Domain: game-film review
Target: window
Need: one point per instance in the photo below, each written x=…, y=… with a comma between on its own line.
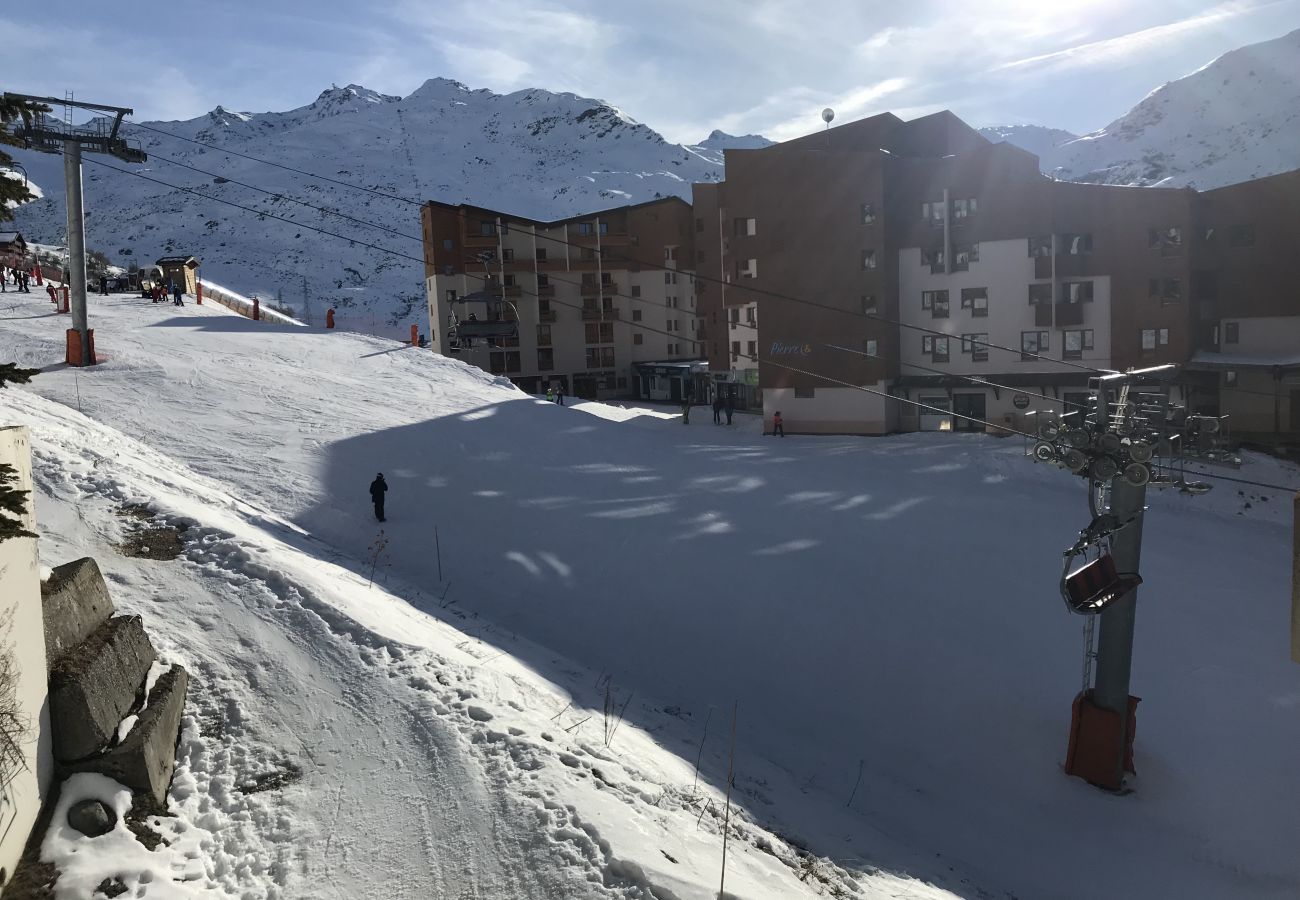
x=584, y=229
x=1076, y=244
x=587, y=253
x=869, y=306
x=1169, y=241
x=1040, y=293
x=805, y=393
x=935, y=346
x=750, y=270
x=751, y=348
x=1153, y=337
x=976, y=300
x=1231, y=332
x=672, y=325
x=751, y=315
x=543, y=281
x=487, y=229
x=670, y=254
x=868, y=213
x=636, y=315
x=1033, y=343
x=1076, y=342
x=1076, y=292
x=699, y=224
x=733, y=315
x=868, y=259
x=600, y=357
x=636, y=290
x=963, y=255
x=976, y=345
x=672, y=349
x=670, y=278
x=606, y=279
x=446, y=243
x=509, y=281
x=745, y=227
x=936, y=302
x=932, y=258
x=451, y=296
x=1040, y=246
x=507, y=255
x=637, y=338
x=1241, y=236
x=505, y=227
x=545, y=359
x=735, y=350
x=541, y=254
x=1230, y=378
x=543, y=335
x=604, y=228
x=699, y=256
x=962, y=209
x=500, y=363
x=1167, y=290
x=671, y=302
x=932, y=212
x=870, y=347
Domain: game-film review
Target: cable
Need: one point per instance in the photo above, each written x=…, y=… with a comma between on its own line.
x=279, y=196
x=708, y=279
x=1260, y=484
x=217, y=147
x=674, y=335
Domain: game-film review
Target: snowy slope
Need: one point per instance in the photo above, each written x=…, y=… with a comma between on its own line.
x=1235, y=119
x=712, y=147
x=533, y=152
x=887, y=606
x=1037, y=139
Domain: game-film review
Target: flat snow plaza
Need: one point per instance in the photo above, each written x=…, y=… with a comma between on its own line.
x=514, y=706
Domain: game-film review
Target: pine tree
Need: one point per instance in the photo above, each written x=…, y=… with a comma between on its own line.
x=13, y=502
x=11, y=189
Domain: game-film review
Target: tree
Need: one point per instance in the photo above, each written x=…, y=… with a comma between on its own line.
x=13, y=191
x=13, y=502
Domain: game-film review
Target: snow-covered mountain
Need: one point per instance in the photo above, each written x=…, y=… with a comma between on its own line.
x=1235, y=119
x=1037, y=139
x=533, y=152
x=712, y=147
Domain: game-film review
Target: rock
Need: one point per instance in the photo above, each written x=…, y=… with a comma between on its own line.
x=91, y=817
x=145, y=760
x=95, y=684
x=76, y=602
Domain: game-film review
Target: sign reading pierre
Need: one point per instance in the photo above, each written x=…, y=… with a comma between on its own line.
x=782, y=348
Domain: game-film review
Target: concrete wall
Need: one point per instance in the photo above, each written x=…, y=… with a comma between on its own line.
x=831, y=410
x=1263, y=336
x=22, y=634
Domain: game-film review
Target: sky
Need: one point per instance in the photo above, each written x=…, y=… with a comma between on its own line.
x=683, y=67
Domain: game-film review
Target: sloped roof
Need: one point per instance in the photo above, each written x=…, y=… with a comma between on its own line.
x=177, y=261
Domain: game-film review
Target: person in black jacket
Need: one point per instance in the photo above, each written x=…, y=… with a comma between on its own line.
x=377, y=489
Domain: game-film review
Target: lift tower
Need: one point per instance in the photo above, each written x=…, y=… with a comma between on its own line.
x=53, y=135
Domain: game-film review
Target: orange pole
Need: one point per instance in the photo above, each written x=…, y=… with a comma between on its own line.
x=415, y=335
x=67, y=292
x=257, y=308
x=329, y=318
x=198, y=292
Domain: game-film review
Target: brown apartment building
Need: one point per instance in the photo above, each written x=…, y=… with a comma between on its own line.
x=887, y=258
x=601, y=305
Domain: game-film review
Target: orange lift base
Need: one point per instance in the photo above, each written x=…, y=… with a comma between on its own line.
x=1101, y=743
x=74, y=346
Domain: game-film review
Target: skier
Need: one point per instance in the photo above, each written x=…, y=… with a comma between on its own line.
x=377, y=489
x=729, y=407
x=176, y=293
x=27, y=284
x=777, y=424
x=717, y=410
x=103, y=285
x=49, y=289
x=686, y=410
x=550, y=395
x=559, y=394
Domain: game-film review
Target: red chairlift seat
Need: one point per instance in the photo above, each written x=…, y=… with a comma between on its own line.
x=1093, y=587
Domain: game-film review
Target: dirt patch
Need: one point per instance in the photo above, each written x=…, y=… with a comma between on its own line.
x=143, y=808
x=163, y=542
x=110, y=887
x=33, y=880
x=286, y=773
x=137, y=511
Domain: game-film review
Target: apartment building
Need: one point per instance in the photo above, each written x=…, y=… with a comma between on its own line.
x=897, y=259
x=587, y=303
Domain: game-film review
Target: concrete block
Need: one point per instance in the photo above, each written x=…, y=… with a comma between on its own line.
x=95, y=684
x=76, y=602
x=146, y=759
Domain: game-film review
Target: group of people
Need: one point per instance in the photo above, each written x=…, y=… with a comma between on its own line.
x=158, y=293
x=722, y=405
x=555, y=394
x=21, y=278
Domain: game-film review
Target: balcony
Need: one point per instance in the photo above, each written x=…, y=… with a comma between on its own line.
x=546, y=290
x=1043, y=315
x=599, y=288
x=480, y=240
x=1043, y=266
x=590, y=313
x=546, y=315
x=1068, y=314
x=1068, y=265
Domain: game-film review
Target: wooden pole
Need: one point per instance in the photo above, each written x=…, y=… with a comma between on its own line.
x=1295, y=581
x=726, y=821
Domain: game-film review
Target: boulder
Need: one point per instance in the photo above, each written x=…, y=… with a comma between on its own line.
x=76, y=602
x=146, y=759
x=91, y=817
x=94, y=684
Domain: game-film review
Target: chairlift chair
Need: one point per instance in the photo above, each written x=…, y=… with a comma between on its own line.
x=501, y=322
x=1094, y=586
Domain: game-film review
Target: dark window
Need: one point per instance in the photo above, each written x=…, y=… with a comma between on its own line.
x=1241, y=236
x=636, y=315
x=1231, y=332
x=604, y=228
x=600, y=357
x=1040, y=293
x=543, y=281
x=446, y=243
x=933, y=258
x=1076, y=342
x=1166, y=290
x=508, y=281
x=541, y=254
x=868, y=213
x=543, y=335
x=976, y=345
x=805, y=393
x=936, y=346
x=1040, y=246
x=487, y=229
x=451, y=296
x=1169, y=241
x=1033, y=343
x=976, y=300
x=507, y=255
x=637, y=338
x=545, y=359
x=584, y=229
x=936, y=302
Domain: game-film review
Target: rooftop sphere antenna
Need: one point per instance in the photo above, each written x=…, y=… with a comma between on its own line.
x=827, y=115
